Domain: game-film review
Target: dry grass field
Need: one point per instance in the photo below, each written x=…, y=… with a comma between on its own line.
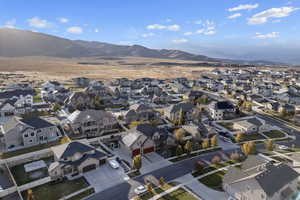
x=49, y=68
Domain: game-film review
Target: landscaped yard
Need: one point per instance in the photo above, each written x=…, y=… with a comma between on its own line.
x=179, y=194
x=194, y=154
x=83, y=194
x=275, y=134
x=21, y=177
x=227, y=125
x=214, y=181
x=51, y=191
x=253, y=136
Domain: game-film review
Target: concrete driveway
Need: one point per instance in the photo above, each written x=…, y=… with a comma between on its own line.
x=105, y=177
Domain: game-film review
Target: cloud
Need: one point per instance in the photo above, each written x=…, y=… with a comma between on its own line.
x=179, y=41
x=75, y=30
x=96, y=30
x=236, y=15
x=148, y=35
x=244, y=7
x=38, y=22
x=264, y=16
x=10, y=23
x=208, y=28
x=168, y=20
x=63, y=20
x=174, y=27
x=266, y=36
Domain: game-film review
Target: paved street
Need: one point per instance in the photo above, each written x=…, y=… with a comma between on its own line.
x=124, y=191
x=105, y=177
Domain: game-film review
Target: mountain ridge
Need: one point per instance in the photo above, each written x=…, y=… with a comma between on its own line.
x=17, y=43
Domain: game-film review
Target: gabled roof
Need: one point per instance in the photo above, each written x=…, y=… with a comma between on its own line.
x=11, y=93
x=36, y=122
x=222, y=105
x=185, y=107
x=79, y=116
x=146, y=129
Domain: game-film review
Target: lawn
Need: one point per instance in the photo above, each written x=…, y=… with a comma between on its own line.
x=21, y=177
x=186, y=156
x=83, y=194
x=29, y=149
x=227, y=125
x=275, y=134
x=51, y=191
x=253, y=136
x=214, y=181
x=179, y=194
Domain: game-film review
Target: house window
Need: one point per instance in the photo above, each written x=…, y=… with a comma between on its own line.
x=32, y=134
x=26, y=135
x=30, y=141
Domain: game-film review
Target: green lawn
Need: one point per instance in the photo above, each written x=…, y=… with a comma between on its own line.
x=83, y=194
x=194, y=154
x=21, y=177
x=214, y=181
x=179, y=194
x=253, y=136
x=28, y=150
x=51, y=191
x=275, y=134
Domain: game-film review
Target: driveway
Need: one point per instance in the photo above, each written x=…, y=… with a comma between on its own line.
x=153, y=161
x=105, y=177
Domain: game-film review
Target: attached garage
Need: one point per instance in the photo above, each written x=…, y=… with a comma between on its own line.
x=101, y=162
x=89, y=168
x=136, y=152
x=148, y=150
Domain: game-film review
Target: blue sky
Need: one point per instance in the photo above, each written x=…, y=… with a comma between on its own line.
x=221, y=28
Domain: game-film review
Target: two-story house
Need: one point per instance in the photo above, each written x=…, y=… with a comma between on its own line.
x=75, y=158
x=17, y=133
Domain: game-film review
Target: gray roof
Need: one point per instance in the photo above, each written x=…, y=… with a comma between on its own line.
x=36, y=122
x=79, y=116
x=276, y=177
x=185, y=107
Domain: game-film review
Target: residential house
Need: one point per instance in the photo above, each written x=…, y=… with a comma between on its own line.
x=17, y=133
x=75, y=158
x=260, y=180
x=222, y=110
x=173, y=112
x=252, y=125
x=141, y=112
x=91, y=123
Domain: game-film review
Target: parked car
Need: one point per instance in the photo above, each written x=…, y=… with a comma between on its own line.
x=140, y=189
x=283, y=147
x=114, y=164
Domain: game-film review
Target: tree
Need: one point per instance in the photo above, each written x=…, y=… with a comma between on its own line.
x=150, y=188
x=179, y=150
x=234, y=156
x=214, y=141
x=179, y=134
x=64, y=140
x=188, y=147
x=137, y=162
x=199, y=165
x=162, y=181
x=249, y=148
x=135, y=124
x=181, y=120
x=216, y=160
x=239, y=137
x=205, y=144
x=56, y=107
x=269, y=144
x=30, y=195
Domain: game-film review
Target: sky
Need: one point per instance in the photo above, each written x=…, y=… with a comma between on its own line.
x=240, y=29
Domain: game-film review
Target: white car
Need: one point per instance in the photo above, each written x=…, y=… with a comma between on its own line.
x=140, y=190
x=283, y=147
x=114, y=164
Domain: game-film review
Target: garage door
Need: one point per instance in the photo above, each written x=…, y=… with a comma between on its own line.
x=101, y=162
x=136, y=152
x=148, y=150
x=89, y=168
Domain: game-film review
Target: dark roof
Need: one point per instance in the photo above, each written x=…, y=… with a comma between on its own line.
x=147, y=129
x=11, y=93
x=36, y=122
x=75, y=147
x=182, y=106
x=276, y=177
x=224, y=105
x=96, y=155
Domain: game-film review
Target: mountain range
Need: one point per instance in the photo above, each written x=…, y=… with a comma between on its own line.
x=17, y=43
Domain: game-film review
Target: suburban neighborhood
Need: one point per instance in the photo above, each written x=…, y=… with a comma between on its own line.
x=231, y=134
